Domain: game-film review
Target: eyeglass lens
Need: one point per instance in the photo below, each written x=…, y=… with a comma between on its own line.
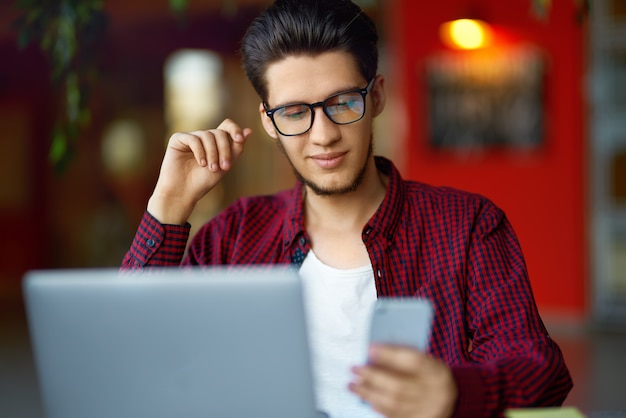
x=342, y=108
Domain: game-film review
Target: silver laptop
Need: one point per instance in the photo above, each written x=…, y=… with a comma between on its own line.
x=218, y=342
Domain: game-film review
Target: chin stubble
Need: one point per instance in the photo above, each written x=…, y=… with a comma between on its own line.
x=336, y=191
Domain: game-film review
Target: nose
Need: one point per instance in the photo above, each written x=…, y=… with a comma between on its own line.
x=324, y=131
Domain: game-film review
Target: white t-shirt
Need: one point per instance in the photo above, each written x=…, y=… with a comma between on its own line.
x=338, y=306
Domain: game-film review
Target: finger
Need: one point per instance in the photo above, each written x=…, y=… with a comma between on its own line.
x=238, y=146
x=379, y=402
x=224, y=148
x=207, y=141
x=228, y=148
x=384, y=399
x=379, y=380
x=184, y=141
x=398, y=358
x=237, y=133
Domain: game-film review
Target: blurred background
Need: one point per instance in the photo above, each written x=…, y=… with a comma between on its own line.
x=527, y=110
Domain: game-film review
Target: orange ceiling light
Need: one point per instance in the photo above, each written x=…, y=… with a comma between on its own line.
x=466, y=34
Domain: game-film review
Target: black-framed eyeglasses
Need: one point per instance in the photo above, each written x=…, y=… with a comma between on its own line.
x=341, y=108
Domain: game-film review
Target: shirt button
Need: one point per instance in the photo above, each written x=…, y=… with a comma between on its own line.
x=150, y=243
x=302, y=240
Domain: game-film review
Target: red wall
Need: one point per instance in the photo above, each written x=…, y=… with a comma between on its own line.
x=543, y=191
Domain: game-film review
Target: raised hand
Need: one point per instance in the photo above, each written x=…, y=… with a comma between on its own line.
x=193, y=164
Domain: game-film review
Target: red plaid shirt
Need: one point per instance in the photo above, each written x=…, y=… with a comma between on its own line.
x=455, y=248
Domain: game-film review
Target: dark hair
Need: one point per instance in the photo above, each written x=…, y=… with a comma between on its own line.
x=308, y=27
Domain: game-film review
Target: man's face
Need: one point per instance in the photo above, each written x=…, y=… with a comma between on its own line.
x=331, y=159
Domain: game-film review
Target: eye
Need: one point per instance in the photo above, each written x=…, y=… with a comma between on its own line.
x=344, y=103
x=293, y=113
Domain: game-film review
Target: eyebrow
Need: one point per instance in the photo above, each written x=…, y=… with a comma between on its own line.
x=293, y=103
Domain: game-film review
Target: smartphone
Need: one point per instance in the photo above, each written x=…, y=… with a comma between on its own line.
x=402, y=321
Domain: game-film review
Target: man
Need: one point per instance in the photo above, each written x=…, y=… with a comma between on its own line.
x=358, y=231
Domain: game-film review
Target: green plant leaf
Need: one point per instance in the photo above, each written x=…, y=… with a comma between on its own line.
x=178, y=6
x=58, y=147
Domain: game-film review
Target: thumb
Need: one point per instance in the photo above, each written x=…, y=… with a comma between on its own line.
x=240, y=138
x=239, y=142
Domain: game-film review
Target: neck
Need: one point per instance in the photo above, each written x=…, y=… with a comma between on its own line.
x=346, y=211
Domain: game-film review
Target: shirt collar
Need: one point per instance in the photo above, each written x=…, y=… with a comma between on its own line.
x=385, y=220
x=294, y=221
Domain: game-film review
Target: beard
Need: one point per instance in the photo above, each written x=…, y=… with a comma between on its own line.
x=332, y=191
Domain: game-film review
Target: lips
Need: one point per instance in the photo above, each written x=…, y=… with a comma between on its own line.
x=329, y=161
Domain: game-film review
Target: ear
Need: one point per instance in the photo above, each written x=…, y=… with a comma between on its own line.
x=378, y=95
x=267, y=122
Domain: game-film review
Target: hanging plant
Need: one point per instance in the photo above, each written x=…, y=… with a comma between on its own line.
x=178, y=6
x=67, y=31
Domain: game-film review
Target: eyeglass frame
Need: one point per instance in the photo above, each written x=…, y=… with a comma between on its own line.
x=312, y=106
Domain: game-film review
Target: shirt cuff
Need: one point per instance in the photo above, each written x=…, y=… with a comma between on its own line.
x=471, y=392
x=158, y=244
